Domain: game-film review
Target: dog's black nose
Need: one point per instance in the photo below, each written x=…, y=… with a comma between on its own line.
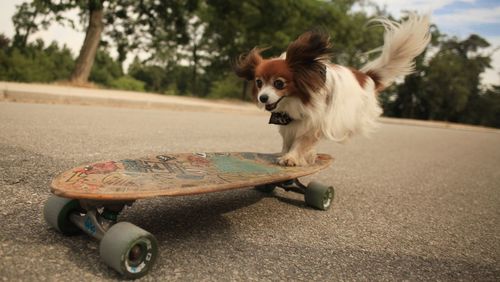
x=263, y=98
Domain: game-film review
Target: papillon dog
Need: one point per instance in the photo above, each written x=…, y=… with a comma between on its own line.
x=311, y=98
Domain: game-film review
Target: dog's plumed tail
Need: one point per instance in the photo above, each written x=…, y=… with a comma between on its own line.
x=402, y=43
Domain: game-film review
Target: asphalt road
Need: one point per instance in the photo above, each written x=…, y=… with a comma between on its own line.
x=412, y=203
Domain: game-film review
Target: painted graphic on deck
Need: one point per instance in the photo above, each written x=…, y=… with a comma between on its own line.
x=169, y=171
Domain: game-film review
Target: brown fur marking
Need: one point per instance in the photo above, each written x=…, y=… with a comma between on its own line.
x=269, y=69
x=376, y=78
x=360, y=77
x=306, y=57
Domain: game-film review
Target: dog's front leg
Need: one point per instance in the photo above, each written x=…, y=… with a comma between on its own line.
x=288, y=138
x=302, y=152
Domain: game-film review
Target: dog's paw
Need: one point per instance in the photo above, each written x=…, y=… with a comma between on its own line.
x=294, y=160
x=289, y=160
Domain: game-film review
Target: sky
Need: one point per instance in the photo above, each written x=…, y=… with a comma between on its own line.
x=454, y=17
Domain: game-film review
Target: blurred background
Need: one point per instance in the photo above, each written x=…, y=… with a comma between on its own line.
x=185, y=47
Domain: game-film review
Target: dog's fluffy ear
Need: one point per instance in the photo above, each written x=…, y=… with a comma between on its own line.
x=245, y=65
x=306, y=57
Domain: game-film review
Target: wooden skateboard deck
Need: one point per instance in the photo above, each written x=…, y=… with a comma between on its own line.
x=176, y=175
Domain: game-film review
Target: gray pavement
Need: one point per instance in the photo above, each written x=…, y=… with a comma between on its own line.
x=412, y=202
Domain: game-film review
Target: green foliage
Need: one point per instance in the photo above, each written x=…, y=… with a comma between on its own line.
x=127, y=82
x=35, y=63
x=4, y=41
x=105, y=69
x=170, y=79
x=180, y=77
x=153, y=77
x=448, y=88
x=484, y=109
x=227, y=87
x=147, y=25
x=487, y=110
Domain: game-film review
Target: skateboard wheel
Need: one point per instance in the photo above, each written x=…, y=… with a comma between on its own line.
x=128, y=249
x=319, y=196
x=57, y=211
x=267, y=188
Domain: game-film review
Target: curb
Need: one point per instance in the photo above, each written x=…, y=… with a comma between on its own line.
x=16, y=92
x=438, y=124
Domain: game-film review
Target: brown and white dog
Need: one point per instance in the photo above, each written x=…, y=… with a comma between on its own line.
x=312, y=98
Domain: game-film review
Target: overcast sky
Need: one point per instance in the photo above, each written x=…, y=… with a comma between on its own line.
x=453, y=17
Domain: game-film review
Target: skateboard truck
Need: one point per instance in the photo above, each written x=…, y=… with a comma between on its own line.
x=316, y=195
x=98, y=218
x=293, y=185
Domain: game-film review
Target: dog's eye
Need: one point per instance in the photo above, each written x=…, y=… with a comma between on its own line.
x=258, y=82
x=279, y=84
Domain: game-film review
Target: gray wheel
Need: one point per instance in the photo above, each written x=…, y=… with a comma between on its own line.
x=319, y=196
x=56, y=212
x=128, y=249
x=266, y=188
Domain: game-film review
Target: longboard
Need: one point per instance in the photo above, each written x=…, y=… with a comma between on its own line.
x=90, y=197
x=176, y=175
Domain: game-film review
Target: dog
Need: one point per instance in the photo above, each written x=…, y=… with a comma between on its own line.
x=312, y=99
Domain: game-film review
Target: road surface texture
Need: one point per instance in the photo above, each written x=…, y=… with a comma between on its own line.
x=412, y=202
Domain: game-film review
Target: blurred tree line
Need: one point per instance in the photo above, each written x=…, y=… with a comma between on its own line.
x=190, y=45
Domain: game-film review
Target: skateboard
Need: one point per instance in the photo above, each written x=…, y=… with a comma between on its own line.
x=90, y=197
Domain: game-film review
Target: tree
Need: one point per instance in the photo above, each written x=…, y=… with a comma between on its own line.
x=35, y=15
x=39, y=14
x=453, y=77
x=484, y=109
x=88, y=51
x=489, y=108
x=153, y=76
x=105, y=69
x=4, y=41
x=152, y=24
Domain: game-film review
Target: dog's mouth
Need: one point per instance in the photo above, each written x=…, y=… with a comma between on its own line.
x=271, y=107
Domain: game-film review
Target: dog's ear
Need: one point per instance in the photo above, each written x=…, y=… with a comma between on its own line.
x=306, y=57
x=245, y=65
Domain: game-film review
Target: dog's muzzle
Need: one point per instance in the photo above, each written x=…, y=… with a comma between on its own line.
x=271, y=107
